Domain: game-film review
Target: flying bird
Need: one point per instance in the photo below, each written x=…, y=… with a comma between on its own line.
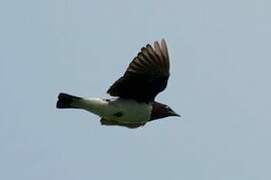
x=133, y=95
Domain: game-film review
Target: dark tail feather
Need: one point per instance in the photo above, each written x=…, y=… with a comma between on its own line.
x=66, y=100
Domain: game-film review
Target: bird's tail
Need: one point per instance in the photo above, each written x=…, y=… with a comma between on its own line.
x=67, y=101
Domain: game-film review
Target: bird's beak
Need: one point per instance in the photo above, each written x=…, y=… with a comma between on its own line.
x=175, y=114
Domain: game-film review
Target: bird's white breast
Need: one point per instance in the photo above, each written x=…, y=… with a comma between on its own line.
x=121, y=110
x=130, y=111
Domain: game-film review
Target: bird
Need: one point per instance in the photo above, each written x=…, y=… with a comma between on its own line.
x=132, y=97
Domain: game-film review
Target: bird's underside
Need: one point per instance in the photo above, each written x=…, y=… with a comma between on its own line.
x=116, y=123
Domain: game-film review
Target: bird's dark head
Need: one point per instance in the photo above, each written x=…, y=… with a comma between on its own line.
x=160, y=110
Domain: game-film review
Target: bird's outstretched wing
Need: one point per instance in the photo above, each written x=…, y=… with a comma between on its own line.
x=146, y=75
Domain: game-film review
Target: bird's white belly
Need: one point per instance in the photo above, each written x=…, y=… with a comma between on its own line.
x=128, y=111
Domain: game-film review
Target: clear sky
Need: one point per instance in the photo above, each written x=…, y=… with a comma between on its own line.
x=220, y=83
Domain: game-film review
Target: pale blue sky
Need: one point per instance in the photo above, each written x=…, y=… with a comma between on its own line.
x=220, y=56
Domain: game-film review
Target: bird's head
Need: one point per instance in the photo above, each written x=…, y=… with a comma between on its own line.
x=160, y=110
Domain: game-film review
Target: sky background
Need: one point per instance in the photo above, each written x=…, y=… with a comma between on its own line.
x=220, y=84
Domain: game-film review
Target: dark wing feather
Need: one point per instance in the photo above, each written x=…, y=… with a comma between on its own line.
x=146, y=75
